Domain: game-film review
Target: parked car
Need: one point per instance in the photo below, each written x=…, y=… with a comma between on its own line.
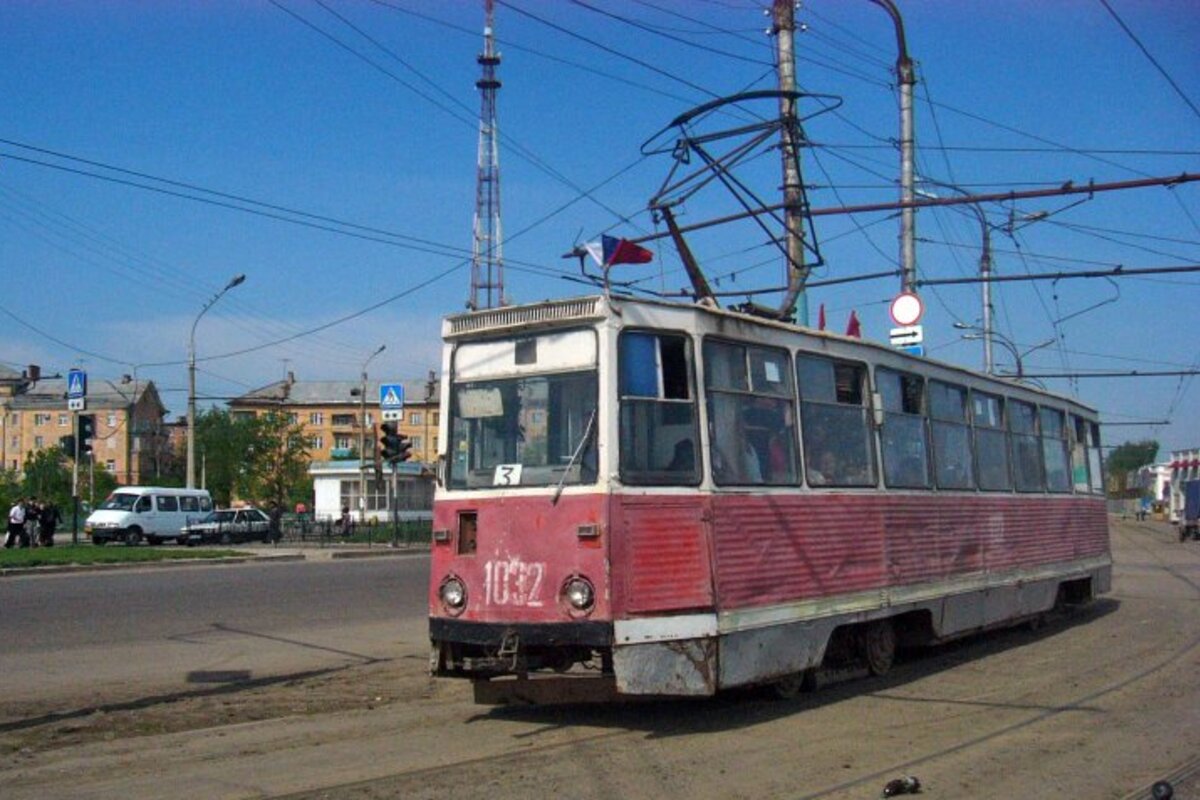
x=227, y=526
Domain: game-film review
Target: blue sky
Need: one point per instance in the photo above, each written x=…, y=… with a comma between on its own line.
x=364, y=112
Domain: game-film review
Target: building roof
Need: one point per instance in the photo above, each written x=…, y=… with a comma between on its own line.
x=51, y=393
x=327, y=393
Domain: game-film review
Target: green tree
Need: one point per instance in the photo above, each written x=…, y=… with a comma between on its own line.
x=223, y=446
x=276, y=466
x=10, y=490
x=1128, y=458
x=48, y=476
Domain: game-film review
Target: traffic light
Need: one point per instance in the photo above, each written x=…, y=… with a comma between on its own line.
x=403, y=448
x=394, y=444
x=86, y=430
x=389, y=442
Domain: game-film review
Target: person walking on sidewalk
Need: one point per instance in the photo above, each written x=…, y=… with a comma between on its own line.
x=16, y=526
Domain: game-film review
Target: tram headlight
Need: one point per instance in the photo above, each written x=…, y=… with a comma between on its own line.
x=579, y=593
x=453, y=595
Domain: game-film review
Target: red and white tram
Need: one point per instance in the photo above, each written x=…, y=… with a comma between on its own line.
x=687, y=499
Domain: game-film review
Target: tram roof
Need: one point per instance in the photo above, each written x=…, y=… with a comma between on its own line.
x=594, y=308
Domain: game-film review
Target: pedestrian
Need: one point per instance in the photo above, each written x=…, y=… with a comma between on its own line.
x=16, y=526
x=49, y=519
x=33, y=516
x=346, y=523
x=274, y=524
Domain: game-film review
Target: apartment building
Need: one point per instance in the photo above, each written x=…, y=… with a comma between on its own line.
x=130, y=438
x=336, y=416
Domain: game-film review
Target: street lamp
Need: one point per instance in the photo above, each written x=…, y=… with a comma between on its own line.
x=236, y=280
x=1008, y=345
x=362, y=438
x=985, y=270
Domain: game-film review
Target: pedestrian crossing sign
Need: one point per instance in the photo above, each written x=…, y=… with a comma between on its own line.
x=76, y=384
x=391, y=396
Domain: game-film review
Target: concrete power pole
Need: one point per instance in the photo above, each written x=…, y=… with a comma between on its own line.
x=783, y=25
x=487, y=245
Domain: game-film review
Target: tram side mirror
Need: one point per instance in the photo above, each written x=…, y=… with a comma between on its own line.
x=877, y=408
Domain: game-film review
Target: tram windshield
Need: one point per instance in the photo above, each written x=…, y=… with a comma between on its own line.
x=524, y=431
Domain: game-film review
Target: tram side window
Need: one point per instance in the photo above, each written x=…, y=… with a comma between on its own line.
x=952, y=461
x=659, y=432
x=1095, y=465
x=1027, y=454
x=752, y=426
x=835, y=422
x=1054, y=450
x=1079, y=455
x=905, y=451
x=991, y=442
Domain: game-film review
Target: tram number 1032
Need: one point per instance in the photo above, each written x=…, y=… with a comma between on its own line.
x=513, y=582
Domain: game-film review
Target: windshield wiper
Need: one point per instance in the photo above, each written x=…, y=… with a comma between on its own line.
x=587, y=432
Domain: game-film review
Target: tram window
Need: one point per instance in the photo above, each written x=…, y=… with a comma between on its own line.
x=952, y=461
x=658, y=410
x=1054, y=450
x=835, y=422
x=1027, y=454
x=752, y=425
x=1095, y=465
x=905, y=452
x=991, y=442
x=1079, y=455
x=524, y=431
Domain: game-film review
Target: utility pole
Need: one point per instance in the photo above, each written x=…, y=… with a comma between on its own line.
x=487, y=244
x=783, y=26
x=906, y=77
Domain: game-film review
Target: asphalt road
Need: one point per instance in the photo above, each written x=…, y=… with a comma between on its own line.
x=131, y=633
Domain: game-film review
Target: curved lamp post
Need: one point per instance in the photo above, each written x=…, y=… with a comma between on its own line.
x=1007, y=343
x=191, y=416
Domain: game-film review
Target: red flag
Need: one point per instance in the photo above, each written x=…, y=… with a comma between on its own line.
x=853, y=327
x=821, y=318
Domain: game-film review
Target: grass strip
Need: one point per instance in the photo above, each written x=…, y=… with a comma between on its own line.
x=91, y=554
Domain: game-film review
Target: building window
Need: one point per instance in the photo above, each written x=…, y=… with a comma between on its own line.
x=38, y=443
x=293, y=418
x=342, y=442
x=41, y=419
x=110, y=465
x=112, y=419
x=416, y=443
x=414, y=418
x=369, y=419
x=316, y=418
x=343, y=420
x=64, y=420
x=318, y=442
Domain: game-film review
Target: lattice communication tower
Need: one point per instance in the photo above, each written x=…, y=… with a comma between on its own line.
x=487, y=249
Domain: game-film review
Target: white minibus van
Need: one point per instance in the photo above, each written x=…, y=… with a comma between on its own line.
x=154, y=514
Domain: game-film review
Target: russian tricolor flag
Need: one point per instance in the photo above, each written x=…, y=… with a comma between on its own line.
x=611, y=250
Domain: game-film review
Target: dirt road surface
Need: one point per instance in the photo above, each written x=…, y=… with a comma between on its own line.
x=1099, y=705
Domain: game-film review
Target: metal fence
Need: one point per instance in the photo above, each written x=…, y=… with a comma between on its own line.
x=307, y=530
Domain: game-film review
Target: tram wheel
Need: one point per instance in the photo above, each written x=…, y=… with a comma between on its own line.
x=792, y=686
x=879, y=646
